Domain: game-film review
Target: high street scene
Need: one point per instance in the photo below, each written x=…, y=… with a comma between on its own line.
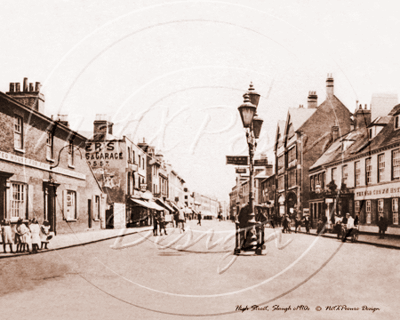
x=199, y=159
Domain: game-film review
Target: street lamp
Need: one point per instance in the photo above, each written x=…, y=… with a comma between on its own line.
x=252, y=123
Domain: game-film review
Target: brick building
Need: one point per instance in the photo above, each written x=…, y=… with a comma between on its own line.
x=43, y=171
x=303, y=138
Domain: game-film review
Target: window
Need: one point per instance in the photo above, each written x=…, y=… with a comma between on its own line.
x=334, y=176
x=322, y=180
x=368, y=171
x=380, y=205
x=18, y=200
x=281, y=162
x=70, y=154
x=357, y=173
x=312, y=186
x=345, y=174
x=357, y=207
x=396, y=122
x=395, y=210
x=140, y=158
x=133, y=157
x=49, y=146
x=368, y=210
x=292, y=155
x=96, y=211
x=292, y=178
x=70, y=204
x=396, y=164
x=129, y=155
x=18, y=133
x=381, y=167
x=281, y=182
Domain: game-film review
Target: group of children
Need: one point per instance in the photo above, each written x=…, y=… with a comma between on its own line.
x=28, y=238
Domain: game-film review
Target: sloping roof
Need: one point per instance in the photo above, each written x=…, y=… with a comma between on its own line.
x=380, y=121
x=332, y=103
x=387, y=135
x=353, y=142
x=298, y=116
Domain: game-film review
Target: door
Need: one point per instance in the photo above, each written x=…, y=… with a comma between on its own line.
x=110, y=218
x=50, y=201
x=90, y=214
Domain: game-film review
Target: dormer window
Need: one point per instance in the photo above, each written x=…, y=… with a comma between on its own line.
x=370, y=133
x=396, y=122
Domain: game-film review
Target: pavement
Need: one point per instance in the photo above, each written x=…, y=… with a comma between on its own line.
x=64, y=241
x=390, y=241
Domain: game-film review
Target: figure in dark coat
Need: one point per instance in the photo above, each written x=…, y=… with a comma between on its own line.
x=382, y=224
x=243, y=218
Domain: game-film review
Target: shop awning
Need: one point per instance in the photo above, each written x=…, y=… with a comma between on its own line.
x=148, y=204
x=165, y=205
x=175, y=206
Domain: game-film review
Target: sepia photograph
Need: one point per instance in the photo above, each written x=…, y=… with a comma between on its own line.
x=199, y=159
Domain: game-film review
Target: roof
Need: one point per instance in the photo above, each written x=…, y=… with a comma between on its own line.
x=380, y=121
x=353, y=142
x=387, y=135
x=298, y=116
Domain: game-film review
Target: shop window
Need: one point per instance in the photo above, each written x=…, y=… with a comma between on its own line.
x=49, y=146
x=395, y=210
x=380, y=205
x=381, y=167
x=18, y=133
x=357, y=207
x=70, y=153
x=396, y=164
x=357, y=173
x=368, y=171
x=368, y=211
x=19, y=200
x=70, y=205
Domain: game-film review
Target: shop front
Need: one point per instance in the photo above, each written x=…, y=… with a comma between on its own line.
x=371, y=202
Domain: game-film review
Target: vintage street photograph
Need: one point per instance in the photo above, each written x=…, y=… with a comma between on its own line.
x=199, y=159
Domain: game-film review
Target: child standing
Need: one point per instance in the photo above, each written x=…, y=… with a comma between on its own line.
x=6, y=234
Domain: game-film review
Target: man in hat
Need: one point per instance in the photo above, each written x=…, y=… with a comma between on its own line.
x=350, y=226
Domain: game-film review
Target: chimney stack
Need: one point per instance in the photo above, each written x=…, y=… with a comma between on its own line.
x=63, y=119
x=329, y=86
x=28, y=96
x=362, y=117
x=312, y=100
x=102, y=127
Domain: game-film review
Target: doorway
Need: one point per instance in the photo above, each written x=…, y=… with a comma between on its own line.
x=50, y=204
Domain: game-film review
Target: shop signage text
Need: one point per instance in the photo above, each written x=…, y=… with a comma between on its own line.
x=387, y=191
x=237, y=160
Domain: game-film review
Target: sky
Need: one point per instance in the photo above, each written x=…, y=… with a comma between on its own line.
x=174, y=72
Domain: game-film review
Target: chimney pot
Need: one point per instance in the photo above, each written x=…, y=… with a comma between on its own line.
x=17, y=87
x=12, y=86
x=329, y=86
x=31, y=87
x=25, y=86
x=37, y=86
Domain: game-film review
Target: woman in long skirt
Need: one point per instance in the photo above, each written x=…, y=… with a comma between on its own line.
x=24, y=235
x=35, y=235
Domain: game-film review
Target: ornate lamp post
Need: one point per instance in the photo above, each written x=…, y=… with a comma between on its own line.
x=252, y=123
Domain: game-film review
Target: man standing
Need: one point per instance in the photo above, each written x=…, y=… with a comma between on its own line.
x=350, y=226
x=382, y=224
x=307, y=223
x=199, y=218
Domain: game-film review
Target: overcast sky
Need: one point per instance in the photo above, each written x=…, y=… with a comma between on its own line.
x=174, y=72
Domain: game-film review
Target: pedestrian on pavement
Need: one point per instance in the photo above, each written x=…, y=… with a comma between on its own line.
x=181, y=219
x=35, y=235
x=6, y=235
x=307, y=223
x=297, y=224
x=286, y=224
x=382, y=224
x=162, y=224
x=24, y=236
x=155, y=225
x=243, y=219
x=349, y=225
x=199, y=218
x=45, y=234
x=176, y=219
